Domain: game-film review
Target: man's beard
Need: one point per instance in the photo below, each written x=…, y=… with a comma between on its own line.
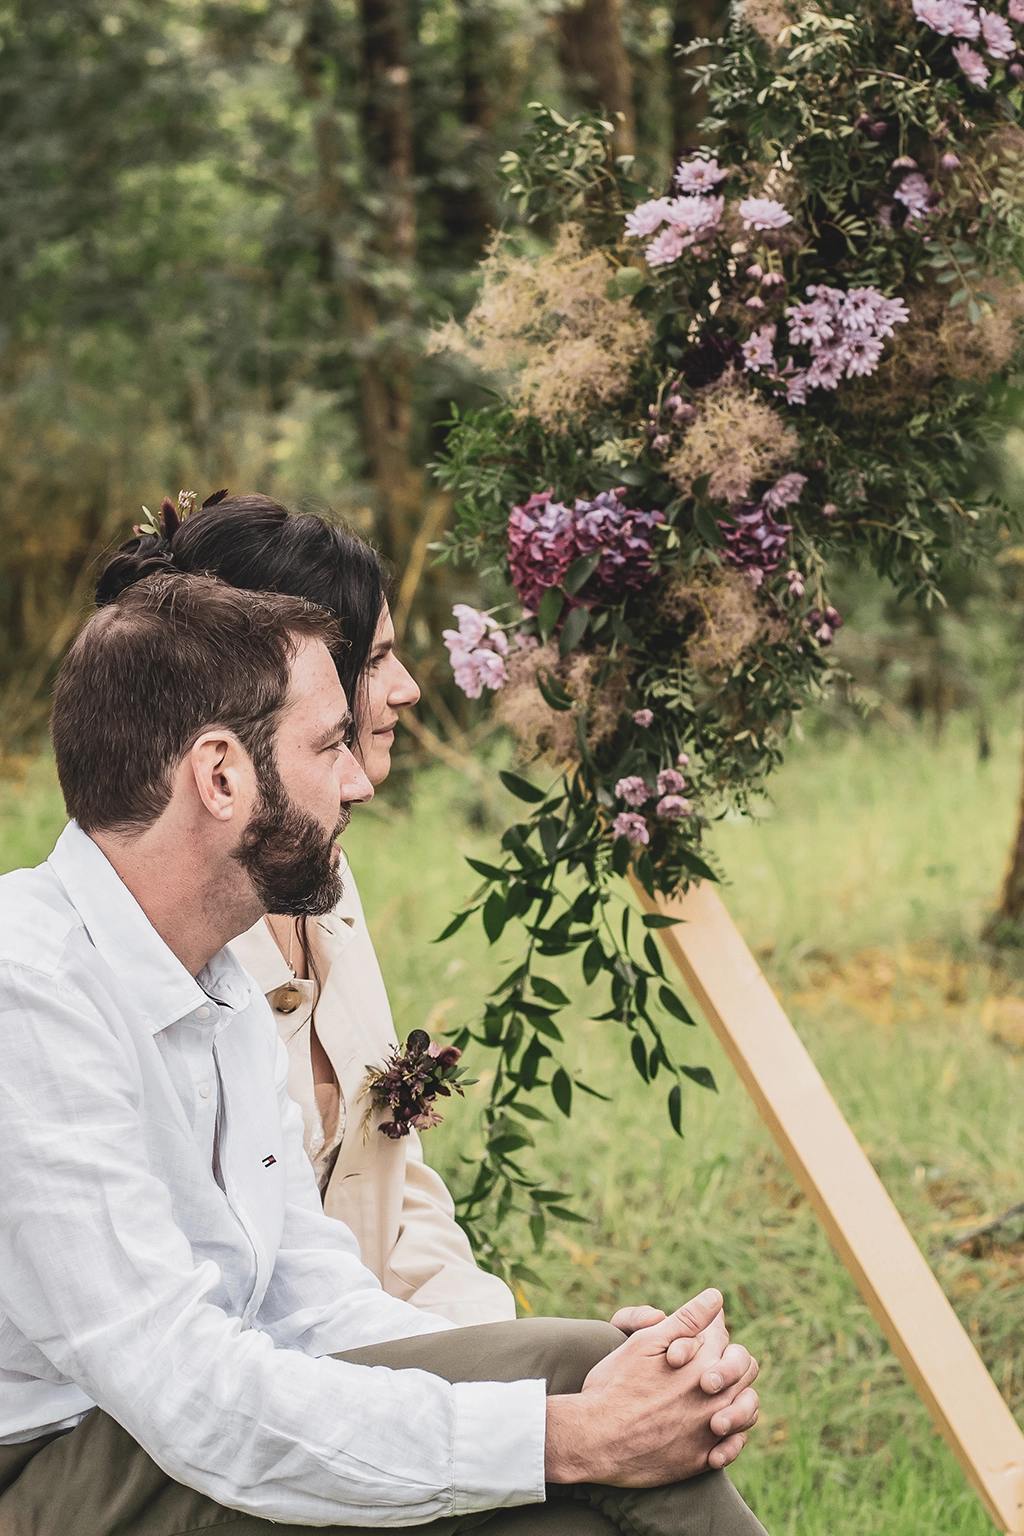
x=287, y=854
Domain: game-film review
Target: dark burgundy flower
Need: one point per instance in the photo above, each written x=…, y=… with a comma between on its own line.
x=707, y=361
x=546, y=536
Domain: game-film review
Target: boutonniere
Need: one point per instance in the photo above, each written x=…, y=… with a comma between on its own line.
x=410, y=1082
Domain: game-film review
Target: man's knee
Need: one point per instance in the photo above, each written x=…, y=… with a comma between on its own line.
x=571, y=1347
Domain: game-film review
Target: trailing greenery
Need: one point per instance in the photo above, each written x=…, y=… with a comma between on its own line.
x=802, y=366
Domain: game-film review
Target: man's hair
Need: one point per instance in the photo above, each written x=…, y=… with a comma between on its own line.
x=174, y=656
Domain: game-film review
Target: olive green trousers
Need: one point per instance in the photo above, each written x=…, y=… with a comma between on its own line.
x=96, y=1481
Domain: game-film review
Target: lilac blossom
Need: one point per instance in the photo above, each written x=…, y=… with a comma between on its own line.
x=829, y=509
x=763, y=213
x=629, y=824
x=914, y=192
x=810, y=324
x=949, y=161
x=757, y=350
x=823, y=626
x=904, y=163
x=772, y=280
x=755, y=302
x=999, y=43
x=843, y=331
x=784, y=493
x=670, y=782
x=632, y=789
x=671, y=807
x=796, y=582
x=796, y=388
x=644, y=718
x=863, y=354
x=476, y=650
x=701, y=173
x=972, y=64
x=683, y=760
x=545, y=537
x=827, y=369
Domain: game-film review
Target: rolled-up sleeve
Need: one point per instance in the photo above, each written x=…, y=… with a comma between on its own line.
x=98, y=1276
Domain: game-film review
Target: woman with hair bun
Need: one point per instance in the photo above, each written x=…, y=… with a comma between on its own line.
x=321, y=976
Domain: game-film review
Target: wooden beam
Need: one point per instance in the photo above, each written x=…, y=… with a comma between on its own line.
x=868, y=1233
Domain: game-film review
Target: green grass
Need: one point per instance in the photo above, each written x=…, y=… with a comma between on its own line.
x=863, y=892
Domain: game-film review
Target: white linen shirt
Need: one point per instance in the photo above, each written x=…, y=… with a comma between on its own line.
x=163, y=1251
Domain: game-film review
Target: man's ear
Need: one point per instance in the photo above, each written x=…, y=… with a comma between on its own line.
x=223, y=775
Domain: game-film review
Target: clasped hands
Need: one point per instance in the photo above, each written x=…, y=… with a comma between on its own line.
x=675, y=1399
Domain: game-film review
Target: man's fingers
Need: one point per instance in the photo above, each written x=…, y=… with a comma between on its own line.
x=726, y=1451
x=681, y=1351
x=733, y=1369
x=739, y=1415
x=691, y=1319
x=632, y=1319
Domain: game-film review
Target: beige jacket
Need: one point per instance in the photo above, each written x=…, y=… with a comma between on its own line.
x=399, y=1209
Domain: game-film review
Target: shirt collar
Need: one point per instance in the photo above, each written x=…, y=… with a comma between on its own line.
x=159, y=985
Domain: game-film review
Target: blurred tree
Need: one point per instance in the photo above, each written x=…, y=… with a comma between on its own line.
x=596, y=64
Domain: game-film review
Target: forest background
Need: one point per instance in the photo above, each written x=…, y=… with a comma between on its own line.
x=226, y=227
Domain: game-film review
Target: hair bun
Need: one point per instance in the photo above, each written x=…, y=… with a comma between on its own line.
x=143, y=556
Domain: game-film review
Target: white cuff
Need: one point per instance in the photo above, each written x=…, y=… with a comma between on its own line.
x=499, y=1444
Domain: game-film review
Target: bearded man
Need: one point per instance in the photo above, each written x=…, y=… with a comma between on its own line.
x=187, y=1343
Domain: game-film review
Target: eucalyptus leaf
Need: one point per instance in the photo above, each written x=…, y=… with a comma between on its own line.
x=573, y=630
x=549, y=612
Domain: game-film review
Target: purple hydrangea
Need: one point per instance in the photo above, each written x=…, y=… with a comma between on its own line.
x=546, y=536
x=754, y=540
x=629, y=824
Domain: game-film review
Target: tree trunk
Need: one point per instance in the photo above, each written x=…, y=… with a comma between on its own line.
x=387, y=368
x=1006, y=922
x=595, y=63
x=376, y=292
x=469, y=211
x=690, y=19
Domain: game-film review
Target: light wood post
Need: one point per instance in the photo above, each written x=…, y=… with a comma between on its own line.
x=848, y=1196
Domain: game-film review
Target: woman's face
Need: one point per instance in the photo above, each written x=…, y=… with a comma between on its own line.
x=388, y=688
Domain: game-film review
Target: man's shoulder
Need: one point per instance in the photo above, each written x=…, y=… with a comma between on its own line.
x=36, y=919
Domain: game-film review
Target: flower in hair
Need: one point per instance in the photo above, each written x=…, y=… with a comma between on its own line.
x=165, y=523
x=410, y=1082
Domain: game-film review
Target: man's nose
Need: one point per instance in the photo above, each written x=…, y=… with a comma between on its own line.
x=355, y=786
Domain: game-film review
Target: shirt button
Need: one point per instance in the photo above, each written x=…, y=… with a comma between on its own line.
x=203, y=1012
x=205, y=1089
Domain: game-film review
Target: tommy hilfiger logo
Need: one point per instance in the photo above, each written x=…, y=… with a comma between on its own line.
x=269, y=1161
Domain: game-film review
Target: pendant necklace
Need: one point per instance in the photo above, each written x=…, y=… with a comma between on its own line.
x=288, y=997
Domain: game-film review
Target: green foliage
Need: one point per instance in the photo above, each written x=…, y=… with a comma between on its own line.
x=819, y=127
